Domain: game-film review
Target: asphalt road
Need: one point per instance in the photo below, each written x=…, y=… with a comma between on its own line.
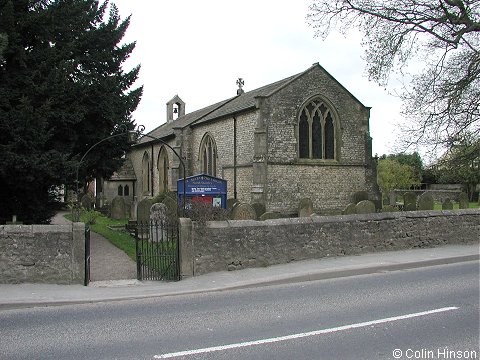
x=424, y=313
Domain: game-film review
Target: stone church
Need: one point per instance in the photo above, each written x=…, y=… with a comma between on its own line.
x=305, y=136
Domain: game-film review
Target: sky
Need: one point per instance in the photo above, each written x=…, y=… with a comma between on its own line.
x=198, y=49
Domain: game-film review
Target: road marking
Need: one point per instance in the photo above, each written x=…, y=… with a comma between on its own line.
x=302, y=335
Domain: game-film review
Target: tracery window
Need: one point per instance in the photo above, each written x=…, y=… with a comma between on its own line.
x=162, y=167
x=316, y=131
x=208, y=156
x=146, y=173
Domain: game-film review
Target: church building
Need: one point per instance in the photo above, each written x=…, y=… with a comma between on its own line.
x=305, y=136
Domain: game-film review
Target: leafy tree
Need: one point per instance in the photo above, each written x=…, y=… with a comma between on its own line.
x=441, y=37
x=413, y=160
x=62, y=89
x=392, y=175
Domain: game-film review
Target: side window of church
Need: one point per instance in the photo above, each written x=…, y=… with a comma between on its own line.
x=146, y=173
x=126, y=190
x=316, y=131
x=120, y=190
x=208, y=156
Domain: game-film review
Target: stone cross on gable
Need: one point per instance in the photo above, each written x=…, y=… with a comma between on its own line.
x=240, y=84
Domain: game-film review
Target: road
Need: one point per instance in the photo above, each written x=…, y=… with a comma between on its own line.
x=424, y=313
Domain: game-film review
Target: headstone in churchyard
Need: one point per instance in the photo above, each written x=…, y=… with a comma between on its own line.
x=425, y=201
x=447, y=204
x=231, y=203
x=158, y=213
x=305, y=207
x=143, y=210
x=86, y=202
x=350, y=209
x=389, y=208
x=463, y=201
x=172, y=208
x=359, y=196
x=269, y=215
x=259, y=209
x=409, y=201
x=243, y=211
x=365, y=207
x=117, y=208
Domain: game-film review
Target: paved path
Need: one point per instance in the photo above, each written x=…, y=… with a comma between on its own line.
x=107, y=262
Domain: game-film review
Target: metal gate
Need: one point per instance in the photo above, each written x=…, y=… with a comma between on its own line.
x=87, y=256
x=157, y=249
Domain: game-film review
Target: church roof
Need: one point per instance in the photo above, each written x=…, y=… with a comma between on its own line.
x=228, y=107
x=125, y=173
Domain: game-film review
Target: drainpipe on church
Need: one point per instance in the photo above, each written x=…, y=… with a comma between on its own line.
x=151, y=174
x=234, y=157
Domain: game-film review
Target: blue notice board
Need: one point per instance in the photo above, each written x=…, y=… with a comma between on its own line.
x=203, y=188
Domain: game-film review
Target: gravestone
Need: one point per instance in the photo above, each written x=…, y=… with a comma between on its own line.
x=305, y=207
x=158, y=213
x=231, y=203
x=409, y=201
x=425, y=201
x=350, y=209
x=389, y=208
x=259, y=209
x=172, y=208
x=269, y=215
x=86, y=202
x=117, y=209
x=365, y=207
x=243, y=211
x=359, y=196
x=463, y=201
x=447, y=204
x=143, y=210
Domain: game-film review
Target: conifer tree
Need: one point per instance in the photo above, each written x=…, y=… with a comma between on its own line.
x=62, y=89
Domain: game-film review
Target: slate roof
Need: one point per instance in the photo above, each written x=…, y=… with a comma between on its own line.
x=125, y=173
x=221, y=109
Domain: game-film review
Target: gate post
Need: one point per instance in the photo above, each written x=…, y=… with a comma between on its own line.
x=185, y=244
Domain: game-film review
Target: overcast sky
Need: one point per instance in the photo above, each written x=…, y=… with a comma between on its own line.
x=198, y=49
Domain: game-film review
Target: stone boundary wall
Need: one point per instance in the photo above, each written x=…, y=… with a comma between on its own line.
x=238, y=244
x=42, y=254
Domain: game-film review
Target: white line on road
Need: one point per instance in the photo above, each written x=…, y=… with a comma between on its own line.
x=301, y=335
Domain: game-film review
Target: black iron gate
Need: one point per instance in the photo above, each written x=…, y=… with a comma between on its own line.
x=157, y=248
x=87, y=256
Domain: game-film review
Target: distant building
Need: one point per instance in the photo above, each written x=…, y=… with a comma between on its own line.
x=305, y=136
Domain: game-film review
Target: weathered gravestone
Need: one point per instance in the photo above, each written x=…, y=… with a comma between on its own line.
x=425, y=201
x=447, y=204
x=269, y=215
x=172, y=208
x=231, y=202
x=409, y=201
x=259, y=209
x=305, y=207
x=350, y=209
x=365, y=207
x=359, y=196
x=143, y=210
x=389, y=208
x=243, y=211
x=117, y=209
x=86, y=202
x=463, y=201
x=158, y=213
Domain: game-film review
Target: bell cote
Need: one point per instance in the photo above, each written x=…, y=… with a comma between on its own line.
x=175, y=108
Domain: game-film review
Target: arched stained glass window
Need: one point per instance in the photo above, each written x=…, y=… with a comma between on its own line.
x=316, y=131
x=208, y=156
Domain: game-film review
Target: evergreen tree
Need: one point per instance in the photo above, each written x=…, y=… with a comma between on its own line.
x=62, y=89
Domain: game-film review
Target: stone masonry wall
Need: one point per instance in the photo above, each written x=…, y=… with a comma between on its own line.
x=232, y=245
x=42, y=254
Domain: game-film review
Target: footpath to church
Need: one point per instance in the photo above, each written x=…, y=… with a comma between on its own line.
x=107, y=262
